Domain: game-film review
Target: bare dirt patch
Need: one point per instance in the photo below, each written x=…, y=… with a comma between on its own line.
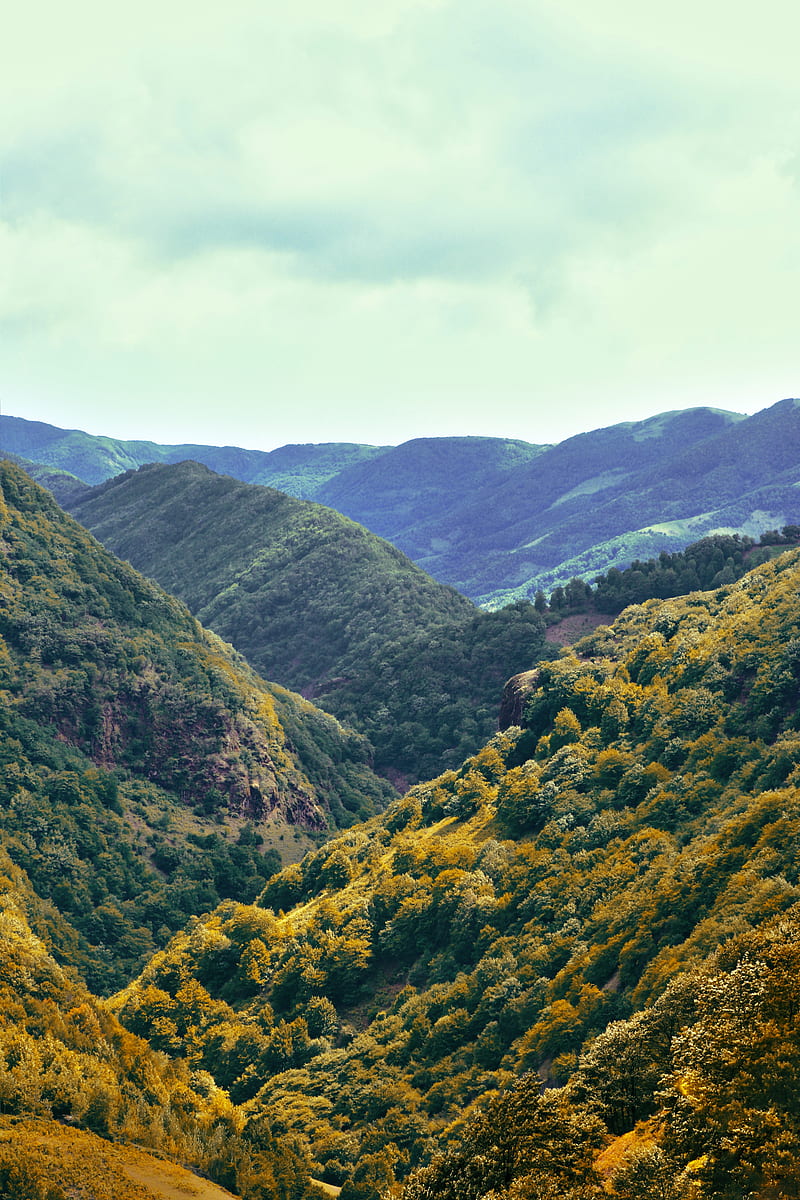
x=573, y=628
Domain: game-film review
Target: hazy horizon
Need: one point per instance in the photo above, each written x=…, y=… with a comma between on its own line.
x=139, y=437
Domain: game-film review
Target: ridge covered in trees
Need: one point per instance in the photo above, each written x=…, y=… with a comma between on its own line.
x=604, y=901
x=710, y=563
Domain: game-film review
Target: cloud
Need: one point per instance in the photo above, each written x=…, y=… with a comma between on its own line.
x=468, y=207
x=461, y=138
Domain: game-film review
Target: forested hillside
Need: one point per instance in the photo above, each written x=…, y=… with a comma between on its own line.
x=566, y=968
x=606, y=896
x=702, y=566
x=322, y=605
x=66, y=1062
x=140, y=755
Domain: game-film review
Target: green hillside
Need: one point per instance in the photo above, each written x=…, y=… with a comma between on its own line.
x=323, y=606
x=143, y=761
x=606, y=896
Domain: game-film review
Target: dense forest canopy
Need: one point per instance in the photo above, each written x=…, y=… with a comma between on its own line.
x=565, y=967
x=567, y=908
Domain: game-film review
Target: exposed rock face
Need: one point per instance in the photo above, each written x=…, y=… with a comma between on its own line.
x=101, y=659
x=515, y=693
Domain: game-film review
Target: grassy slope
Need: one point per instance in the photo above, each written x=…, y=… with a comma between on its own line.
x=73, y=1160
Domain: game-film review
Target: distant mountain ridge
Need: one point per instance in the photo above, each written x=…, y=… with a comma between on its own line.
x=500, y=518
x=603, y=498
x=295, y=469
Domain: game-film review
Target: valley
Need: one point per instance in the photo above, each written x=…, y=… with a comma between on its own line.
x=558, y=959
x=321, y=605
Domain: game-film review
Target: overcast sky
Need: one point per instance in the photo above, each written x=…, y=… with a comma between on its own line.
x=257, y=223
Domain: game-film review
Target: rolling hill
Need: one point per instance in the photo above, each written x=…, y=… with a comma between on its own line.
x=499, y=519
x=299, y=470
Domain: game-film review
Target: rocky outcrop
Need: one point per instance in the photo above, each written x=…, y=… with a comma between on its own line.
x=515, y=694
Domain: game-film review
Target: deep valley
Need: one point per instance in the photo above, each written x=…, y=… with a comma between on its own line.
x=295, y=898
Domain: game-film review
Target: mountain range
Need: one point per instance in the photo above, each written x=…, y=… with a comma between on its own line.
x=499, y=519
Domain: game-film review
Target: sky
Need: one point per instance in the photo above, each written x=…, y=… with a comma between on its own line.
x=255, y=223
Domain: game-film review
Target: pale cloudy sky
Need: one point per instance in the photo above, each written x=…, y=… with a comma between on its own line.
x=256, y=223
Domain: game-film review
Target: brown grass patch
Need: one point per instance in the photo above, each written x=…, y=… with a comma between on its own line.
x=87, y=1166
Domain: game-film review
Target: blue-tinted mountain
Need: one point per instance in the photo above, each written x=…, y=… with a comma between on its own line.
x=497, y=518
x=605, y=498
x=296, y=469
